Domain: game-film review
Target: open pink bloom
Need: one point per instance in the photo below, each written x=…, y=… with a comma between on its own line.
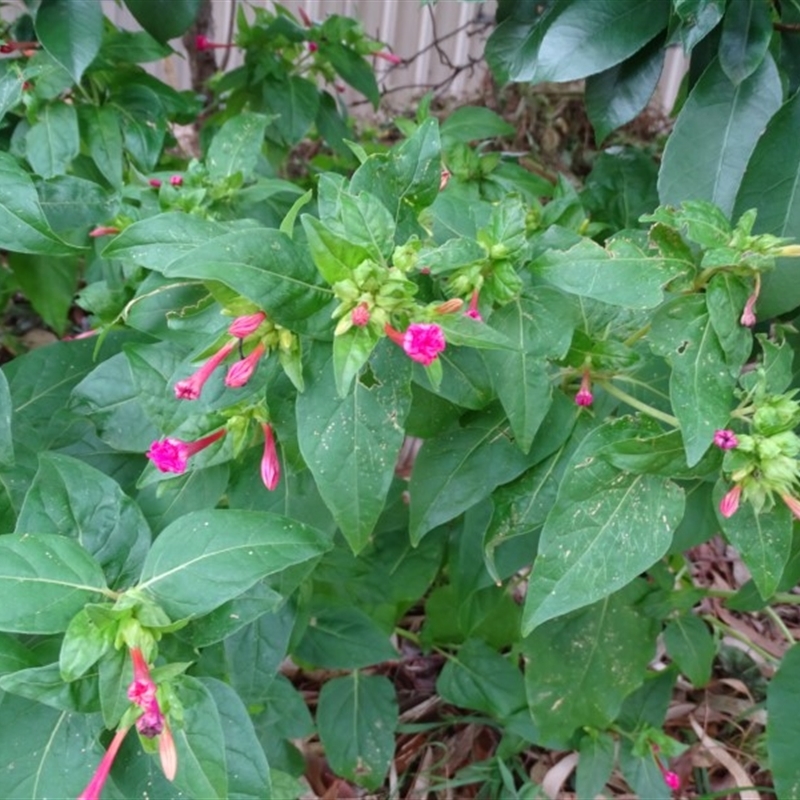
x=172, y=455
x=472, y=311
x=359, y=316
x=792, y=503
x=422, y=341
x=94, y=788
x=390, y=57
x=142, y=692
x=725, y=439
x=243, y=326
x=584, y=397
x=167, y=753
x=241, y=372
x=729, y=504
x=103, y=230
x=270, y=465
x=190, y=388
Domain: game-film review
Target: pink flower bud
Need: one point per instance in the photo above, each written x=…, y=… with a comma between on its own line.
x=729, y=504
x=190, y=388
x=243, y=326
x=584, y=397
x=725, y=439
x=390, y=57
x=103, y=230
x=176, y=180
x=167, y=753
x=202, y=42
x=472, y=311
x=94, y=788
x=172, y=455
x=313, y=47
x=748, y=318
x=241, y=372
x=270, y=465
x=792, y=503
x=155, y=183
x=301, y=12
x=359, y=316
x=445, y=178
x=672, y=780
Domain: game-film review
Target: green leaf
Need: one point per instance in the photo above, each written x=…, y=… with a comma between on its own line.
x=6, y=441
x=104, y=140
x=783, y=725
x=225, y=552
x=71, y=31
x=770, y=184
x=617, y=95
x=352, y=68
x=726, y=295
x=571, y=41
x=746, y=34
x=351, y=444
x=236, y=147
x=334, y=255
x=593, y=542
x=621, y=273
x=143, y=123
x=54, y=753
x=595, y=764
x=470, y=123
x=11, y=83
x=23, y=226
x=84, y=644
x=164, y=19
x=356, y=718
x=344, y=638
x=582, y=666
x=70, y=498
x=715, y=135
x=351, y=351
x=44, y=581
x=764, y=540
x=53, y=140
x=293, y=104
x=479, y=678
x=73, y=206
x=248, y=771
x=691, y=646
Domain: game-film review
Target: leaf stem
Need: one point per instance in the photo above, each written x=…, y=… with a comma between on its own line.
x=636, y=335
x=615, y=391
x=779, y=624
x=729, y=631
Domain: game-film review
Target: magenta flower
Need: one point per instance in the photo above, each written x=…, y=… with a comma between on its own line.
x=729, y=504
x=202, y=42
x=94, y=788
x=270, y=465
x=142, y=692
x=359, y=316
x=390, y=57
x=155, y=183
x=725, y=439
x=241, y=372
x=584, y=397
x=190, y=388
x=422, y=341
x=243, y=326
x=472, y=311
x=671, y=779
x=172, y=455
x=313, y=47
x=103, y=230
x=176, y=180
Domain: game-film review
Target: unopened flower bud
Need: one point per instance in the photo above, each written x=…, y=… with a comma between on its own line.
x=449, y=306
x=360, y=315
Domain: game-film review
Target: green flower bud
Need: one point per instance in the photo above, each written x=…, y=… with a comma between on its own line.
x=776, y=415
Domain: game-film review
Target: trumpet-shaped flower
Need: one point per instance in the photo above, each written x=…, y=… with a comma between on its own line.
x=172, y=455
x=421, y=342
x=241, y=372
x=94, y=788
x=190, y=388
x=584, y=397
x=243, y=326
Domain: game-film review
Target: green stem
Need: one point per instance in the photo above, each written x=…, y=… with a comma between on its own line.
x=728, y=631
x=615, y=391
x=779, y=624
x=634, y=337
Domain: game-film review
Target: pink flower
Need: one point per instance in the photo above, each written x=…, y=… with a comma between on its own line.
x=748, y=318
x=270, y=465
x=107, y=230
x=155, y=183
x=584, y=397
x=359, y=316
x=301, y=12
x=390, y=57
x=672, y=780
x=176, y=180
x=444, y=179
x=243, y=326
x=725, y=439
x=313, y=47
x=167, y=753
x=190, y=388
x=792, y=503
x=172, y=455
x=202, y=42
x=472, y=311
x=94, y=788
x=142, y=692
x=729, y=504
x=242, y=371
x=422, y=341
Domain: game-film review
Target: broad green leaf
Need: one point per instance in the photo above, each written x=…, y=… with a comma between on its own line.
x=695, y=20
x=617, y=95
x=764, y=540
x=133, y=47
x=115, y=673
x=356, y=718
x=49, y=283
x=770, y=184
x=571, y=41
x=53, y=753
x=143, y=124
x=621, y=273
x=72, y=499
x=595, y=764
x=293, y=104
x=83, y=645
x=726, y=295
x=104, y=140
x=225, y=552
x=73, y=206
x=715, y=135
x=14, y=655
x=352, y=68
x=641, y=772
x=351, y=351
x=334, y=254
x=746, y=34
x=200, y=743
x=71, y=31
x=471, y=123
x=479, y=678
x=691, y=646
x=344, y=638
x=263, y=265
x=236, y=146
x=10, y=90
x=648, y=705
x=6, y=441
x=701, y=385
x=44, y=581
x=582, y=666
x=46, y=685
x=23, y=226
x=351, y=444
x=53, y=140
x=248, y=771
x=783, y=725
x=593, y=542
x=164, y=19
